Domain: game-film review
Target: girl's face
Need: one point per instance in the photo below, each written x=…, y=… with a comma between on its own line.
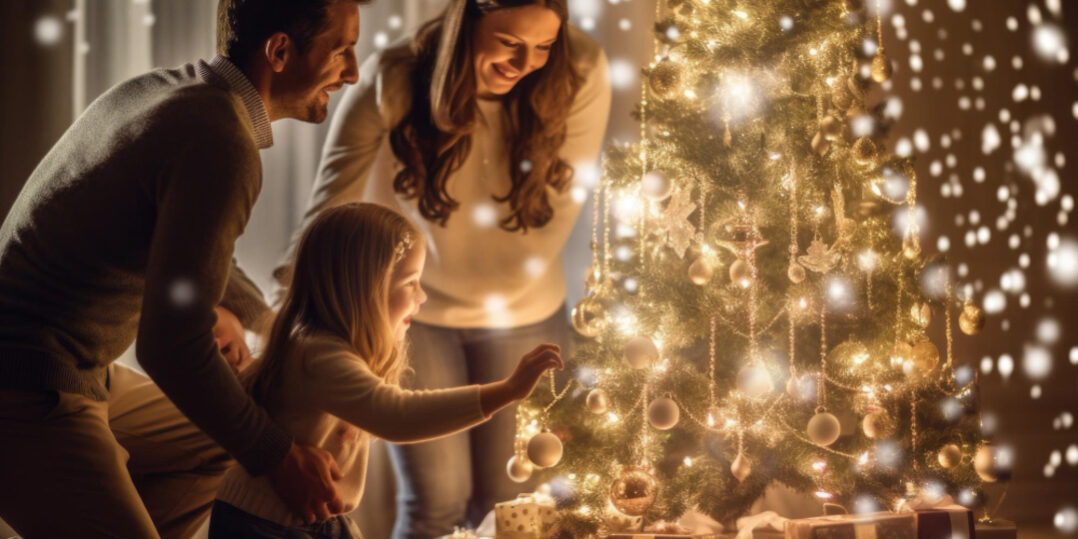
x=511, y=43
x=405, y=292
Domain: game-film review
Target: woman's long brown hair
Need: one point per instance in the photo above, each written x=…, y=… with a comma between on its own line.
x=340, y=287
x=434, y=137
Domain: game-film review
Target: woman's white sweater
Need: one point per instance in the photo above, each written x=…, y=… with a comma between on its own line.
x=477, y=274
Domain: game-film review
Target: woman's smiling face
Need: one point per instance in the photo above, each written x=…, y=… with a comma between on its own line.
x=511, y=43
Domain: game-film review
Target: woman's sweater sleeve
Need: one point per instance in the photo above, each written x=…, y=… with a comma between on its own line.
x=590, y=110
x=341, y=384
x=355, y=134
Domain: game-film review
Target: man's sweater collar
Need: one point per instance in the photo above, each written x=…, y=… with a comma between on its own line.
x=221, y=70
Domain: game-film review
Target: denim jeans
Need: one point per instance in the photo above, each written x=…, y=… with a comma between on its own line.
x=444, y=482
x=230, y=522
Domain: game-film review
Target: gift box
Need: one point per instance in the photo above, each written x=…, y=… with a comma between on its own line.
x=883, y=525
x=951, y=522
x=663, y=536
x=529, y=516
x=996, y=529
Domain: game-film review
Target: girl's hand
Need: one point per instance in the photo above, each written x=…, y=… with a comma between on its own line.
x=497, y=395
x=531, y=367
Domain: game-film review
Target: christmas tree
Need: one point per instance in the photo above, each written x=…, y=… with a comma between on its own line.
x=758, y=276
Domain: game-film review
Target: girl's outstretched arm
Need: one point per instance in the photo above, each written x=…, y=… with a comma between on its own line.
x=340, y=383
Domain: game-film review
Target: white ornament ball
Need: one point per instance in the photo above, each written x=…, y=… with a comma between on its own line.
x=950, y=456
x=544, y=450
x=519, y=468
x=796, y=273
x=754, y=381
x=740, y=273
x=663, y=413
x=824, y=429
x=700, y=272
x=597, y=401
x=741, y=467
x=641, y=352
x=655, y=185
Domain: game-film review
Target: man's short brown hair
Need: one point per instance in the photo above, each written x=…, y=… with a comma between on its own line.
x=243, y=26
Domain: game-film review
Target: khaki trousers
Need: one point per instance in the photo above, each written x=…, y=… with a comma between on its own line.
x=132, y=467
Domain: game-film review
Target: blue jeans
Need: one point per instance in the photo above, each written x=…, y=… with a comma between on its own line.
x=230, y=522
x=443, y=482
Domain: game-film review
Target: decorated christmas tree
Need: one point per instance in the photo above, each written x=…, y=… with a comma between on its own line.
x=758, y=282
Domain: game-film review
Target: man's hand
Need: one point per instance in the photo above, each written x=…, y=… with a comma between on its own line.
x=230, y=339
x=304, y=481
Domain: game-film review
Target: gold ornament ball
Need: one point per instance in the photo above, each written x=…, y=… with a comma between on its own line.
x=741, y=467
x=663, y=413
x=972, y=319
x=588, y=316
x=641, y=352
x=950, y=456
x=740, y=272
x=820, y=144
x=878, y=424
x=754, y=381
x=849, y=354
x=664, y=78
x=700, y=271
x=881, y=66
x=992, y=464
x=924, y=357
x=796, y=273
x=824, y=428
x=901, y=354
x=841, y=96
x=865, y=151
x=597, y=401
x=921, y=314
x=655, y=185
x=519, y=468
x=544, y=450
x=831, y=127
x=633, y=491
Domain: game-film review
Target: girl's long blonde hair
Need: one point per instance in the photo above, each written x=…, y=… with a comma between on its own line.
x=340, y=286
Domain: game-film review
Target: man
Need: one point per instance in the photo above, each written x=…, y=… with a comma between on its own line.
x=126, y=228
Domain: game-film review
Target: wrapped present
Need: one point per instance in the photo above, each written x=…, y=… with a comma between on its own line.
x=529, y=516
x=663, y=536
x=882, y=525
x=938, y=517
x=950, y=522
x=995, y=529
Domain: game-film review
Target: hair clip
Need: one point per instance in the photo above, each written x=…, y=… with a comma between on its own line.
x=403, y=246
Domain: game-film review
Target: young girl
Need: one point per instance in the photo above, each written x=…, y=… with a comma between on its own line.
x=332, y=362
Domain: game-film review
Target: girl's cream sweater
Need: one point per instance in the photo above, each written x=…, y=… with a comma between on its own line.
x=332, y=400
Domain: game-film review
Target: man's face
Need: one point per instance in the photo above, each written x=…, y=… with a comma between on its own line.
x=327, y=65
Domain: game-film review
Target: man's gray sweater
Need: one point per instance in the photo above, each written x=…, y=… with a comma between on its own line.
x=126, y=228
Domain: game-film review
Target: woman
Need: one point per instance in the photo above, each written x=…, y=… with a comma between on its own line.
x=473, y=129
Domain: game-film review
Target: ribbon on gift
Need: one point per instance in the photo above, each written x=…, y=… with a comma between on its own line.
x=771, y=519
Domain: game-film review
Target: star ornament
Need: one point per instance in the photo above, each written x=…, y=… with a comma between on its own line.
x=674, y=225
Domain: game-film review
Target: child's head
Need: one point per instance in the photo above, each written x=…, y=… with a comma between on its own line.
x=356, y=276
